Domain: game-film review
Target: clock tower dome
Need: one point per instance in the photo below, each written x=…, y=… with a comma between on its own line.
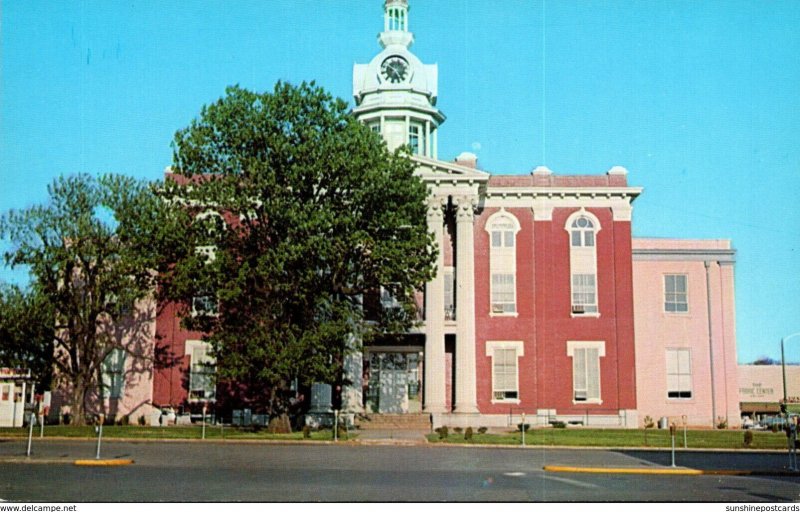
x=395, y=94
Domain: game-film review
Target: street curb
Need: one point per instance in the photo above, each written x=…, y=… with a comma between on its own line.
x=669, y=471
x=424, y=442
x=27, y=460
x=103, y=462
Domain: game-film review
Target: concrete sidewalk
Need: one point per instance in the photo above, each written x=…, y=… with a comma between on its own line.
x=392, y=437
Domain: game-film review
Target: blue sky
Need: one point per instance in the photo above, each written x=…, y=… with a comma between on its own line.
x=699, y=100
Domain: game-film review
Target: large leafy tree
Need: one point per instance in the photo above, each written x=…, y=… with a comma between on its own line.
x=26, y=332
x=300, y=212
x=93, y=251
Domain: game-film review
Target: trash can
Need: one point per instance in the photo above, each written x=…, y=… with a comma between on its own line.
x=663, y=422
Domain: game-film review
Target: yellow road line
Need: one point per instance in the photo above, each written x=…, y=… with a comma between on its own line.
x=103, y=462
x=628, y=471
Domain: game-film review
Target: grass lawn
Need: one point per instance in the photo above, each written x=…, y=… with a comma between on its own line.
x=171, y=432
x=621, y=437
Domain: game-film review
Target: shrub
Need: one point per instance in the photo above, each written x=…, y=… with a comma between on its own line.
x=526, y=426
x=482, y=430
x=748, y=438
x=558, y=424
x=648, y=424
x=722, y=423
x=306, y=432
x=443, y=432
x=458, y=430
x=468, y=434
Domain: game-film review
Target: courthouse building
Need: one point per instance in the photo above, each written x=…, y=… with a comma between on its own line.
x=543, y=303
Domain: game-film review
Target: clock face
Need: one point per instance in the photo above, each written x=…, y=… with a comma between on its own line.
x=394, y=69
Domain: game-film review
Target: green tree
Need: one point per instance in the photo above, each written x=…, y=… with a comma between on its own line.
x=26, y=332
x=307, y=213
x=93, y=251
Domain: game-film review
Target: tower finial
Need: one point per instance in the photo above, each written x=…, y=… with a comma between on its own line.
x=395, y=24
x=395, y=15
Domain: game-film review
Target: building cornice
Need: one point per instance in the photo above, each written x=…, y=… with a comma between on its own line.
x=721, y=256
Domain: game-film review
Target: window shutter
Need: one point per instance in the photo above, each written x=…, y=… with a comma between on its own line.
x=593, y=373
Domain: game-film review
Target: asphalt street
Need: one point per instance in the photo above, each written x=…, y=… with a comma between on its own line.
x=258, y=472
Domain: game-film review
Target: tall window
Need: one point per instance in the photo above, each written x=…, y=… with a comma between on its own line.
x=503, y=228
x=388, y=301
x=582, y=228
x=416, y=139
x=201, y=371
x=113, y=373
x=205, y=303
x=679, y=373
x=676, y=298
x=505, y=369
x=586, y=370
x=584, y=293
x=449, y=293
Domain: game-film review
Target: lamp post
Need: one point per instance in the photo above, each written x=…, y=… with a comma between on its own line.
x=783, y=363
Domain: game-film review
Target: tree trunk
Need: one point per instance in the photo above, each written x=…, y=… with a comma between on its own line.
x=77, y=402
x=280, y=424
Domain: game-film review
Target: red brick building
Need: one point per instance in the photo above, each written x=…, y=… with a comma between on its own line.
x=532, y=308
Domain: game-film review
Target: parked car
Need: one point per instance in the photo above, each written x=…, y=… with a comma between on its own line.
x=773, y=422
x=749, y=424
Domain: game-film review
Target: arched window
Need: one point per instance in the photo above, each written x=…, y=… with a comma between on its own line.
x=582, y=230
x=503, y=228
x=583, y=227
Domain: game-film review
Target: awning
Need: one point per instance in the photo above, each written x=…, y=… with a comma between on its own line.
x=760, y=407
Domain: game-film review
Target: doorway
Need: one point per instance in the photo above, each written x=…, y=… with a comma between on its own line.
x=393, y=382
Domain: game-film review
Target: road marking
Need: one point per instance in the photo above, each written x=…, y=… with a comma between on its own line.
x=572, y=482
x=514, y=473
x=103, y=462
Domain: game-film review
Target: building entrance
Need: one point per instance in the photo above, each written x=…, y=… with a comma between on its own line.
x=393, y=382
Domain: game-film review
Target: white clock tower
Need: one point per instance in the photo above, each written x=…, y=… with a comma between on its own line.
x=395, y=94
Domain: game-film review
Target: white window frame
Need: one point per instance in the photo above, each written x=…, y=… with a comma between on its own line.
x=680, y=374
x=574, y=348
x=502, y=259
x=491, y=348
x=675, y=294
x=579, y=290
x=191, y=347
x=583, y=261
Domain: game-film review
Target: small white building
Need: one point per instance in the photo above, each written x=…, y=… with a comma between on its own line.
x=15, y=383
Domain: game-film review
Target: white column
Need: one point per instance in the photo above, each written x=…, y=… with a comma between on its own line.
x=434, y=385
x=435, y=144
x=320, y=398
x=428, y=139
x=466, y=399
x=352, y=393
